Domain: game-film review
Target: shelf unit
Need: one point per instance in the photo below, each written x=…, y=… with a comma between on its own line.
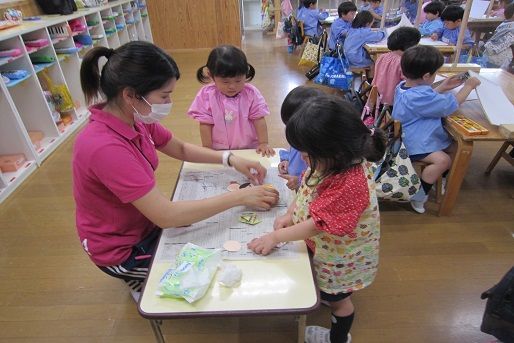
x=24, y=103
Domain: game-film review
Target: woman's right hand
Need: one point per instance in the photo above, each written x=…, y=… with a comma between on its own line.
x=283, y=221
x=259, y=197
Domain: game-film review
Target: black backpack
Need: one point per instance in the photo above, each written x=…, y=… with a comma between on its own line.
x=499, y=311
x=57, y=6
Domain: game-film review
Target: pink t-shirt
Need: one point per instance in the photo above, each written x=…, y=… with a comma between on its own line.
x=232, y=117
x=113, y=165
x=388, y=74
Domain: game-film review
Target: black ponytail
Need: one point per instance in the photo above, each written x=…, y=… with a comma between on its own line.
x=90, y=74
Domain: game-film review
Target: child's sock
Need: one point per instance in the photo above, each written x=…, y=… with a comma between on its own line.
x=426, y=186
x=340, y=328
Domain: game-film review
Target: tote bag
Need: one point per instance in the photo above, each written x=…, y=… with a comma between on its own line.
x=335, y=72
x=312, y=52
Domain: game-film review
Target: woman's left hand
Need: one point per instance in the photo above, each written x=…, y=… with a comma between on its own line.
x=265, y=150
x=263, y=245
x=253, y=170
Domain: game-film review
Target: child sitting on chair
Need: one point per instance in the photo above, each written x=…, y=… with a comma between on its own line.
x=311, y=16
x=388, y=72
x=419, y=108
x=498, y=49
x=433, y=24
x=230, y=110
x=340, y=26
x=452, y=17
x=376, y=10
x=359, y=35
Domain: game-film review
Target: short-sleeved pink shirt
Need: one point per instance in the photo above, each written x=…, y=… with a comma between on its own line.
x=231, y=117
x=388, y=74
x=113, y=165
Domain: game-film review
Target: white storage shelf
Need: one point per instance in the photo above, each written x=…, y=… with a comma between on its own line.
x=23, y=102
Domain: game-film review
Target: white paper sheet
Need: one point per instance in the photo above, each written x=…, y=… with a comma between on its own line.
x=478, y=9
x=214, y=231
x=497, y=107
x=404, y=22
x=429, y=41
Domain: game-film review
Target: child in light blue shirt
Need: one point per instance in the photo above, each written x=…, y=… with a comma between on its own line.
x=311, y=17
x=420, y=110
x=340, y=27
x=292, y=166
x=364, y=6
x=433, y=24
x=376, y=11
x=452, y=18
x=359, y=35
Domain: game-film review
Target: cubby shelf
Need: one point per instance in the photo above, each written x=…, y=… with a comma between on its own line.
x=24, y=106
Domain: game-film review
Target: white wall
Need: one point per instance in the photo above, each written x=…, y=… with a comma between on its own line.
x=252, y=14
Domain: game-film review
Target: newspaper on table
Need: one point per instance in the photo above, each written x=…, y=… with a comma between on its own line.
x=214, y=231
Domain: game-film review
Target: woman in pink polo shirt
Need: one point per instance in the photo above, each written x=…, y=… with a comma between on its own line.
x=119, y=210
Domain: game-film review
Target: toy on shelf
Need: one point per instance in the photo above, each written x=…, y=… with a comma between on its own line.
x=66, y=50
x=97, y=37
x=37, y=43
x=42, y=59
x=92, y=22
x=110, y=30
x=36, y=137
x=77, y=26
x=120, y=26
x=59, y=32
x=15, y=74
x=10, y=53
x=60, y=94
x=11, y=163
x=32, y=18
x=12, y=18
x=83, y=39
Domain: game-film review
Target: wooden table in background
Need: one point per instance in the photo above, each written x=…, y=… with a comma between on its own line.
x=472, y=110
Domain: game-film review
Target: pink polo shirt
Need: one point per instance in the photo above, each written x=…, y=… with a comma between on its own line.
x=388, y=74
x=113, y=165
x=232, y=117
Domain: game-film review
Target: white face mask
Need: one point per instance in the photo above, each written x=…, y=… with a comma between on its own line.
x=157, y=113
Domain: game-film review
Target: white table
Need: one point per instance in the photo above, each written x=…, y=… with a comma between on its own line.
x=269, y=286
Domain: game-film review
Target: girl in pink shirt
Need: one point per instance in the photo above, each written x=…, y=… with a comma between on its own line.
x=336, y=208
x=119, y=209
x=388, y=71
x=230, y=111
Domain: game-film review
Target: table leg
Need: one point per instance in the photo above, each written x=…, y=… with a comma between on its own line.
x=156, y=327
x=301, y=328
x=458, y=170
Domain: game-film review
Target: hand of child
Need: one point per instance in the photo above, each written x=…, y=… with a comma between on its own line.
x=450, y=83
x=472, y=82
x=263, y=245
x=253, y=170
x=292, y=181
x=283, y=166
x=265, y=150
x=434, y=36
x=259, y=197
x=282, y=221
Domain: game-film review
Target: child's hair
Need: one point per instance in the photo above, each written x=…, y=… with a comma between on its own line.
x=509, y=11
x=419, y=60
x=346, y=7
x=295, y=98
x=362, y=19
x=307, y=3
x=435, y=8
x=403, y=38
x=452, y=13
x=330, y=131
x=138, y=65
x=226, y=61
x=375, y=1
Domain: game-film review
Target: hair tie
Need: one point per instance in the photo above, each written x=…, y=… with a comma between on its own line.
x=372, y=131
x=109, y=53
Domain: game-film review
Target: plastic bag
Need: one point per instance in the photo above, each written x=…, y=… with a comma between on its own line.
x=194, y=271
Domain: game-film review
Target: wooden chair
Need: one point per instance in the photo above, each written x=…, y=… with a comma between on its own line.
x=508, y=156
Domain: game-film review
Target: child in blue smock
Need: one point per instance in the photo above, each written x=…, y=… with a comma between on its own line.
x=364, y=6
x=376, y=10
x=340, y=26
x=433, y=24
x=452, y=18
x=292, y=166
x=420, y=110
x=311, y=17
x=359, y=35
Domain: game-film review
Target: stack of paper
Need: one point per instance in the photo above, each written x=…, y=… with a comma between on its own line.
x=497, y=107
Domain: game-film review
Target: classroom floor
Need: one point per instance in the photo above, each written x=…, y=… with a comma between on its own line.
x=431, y=274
